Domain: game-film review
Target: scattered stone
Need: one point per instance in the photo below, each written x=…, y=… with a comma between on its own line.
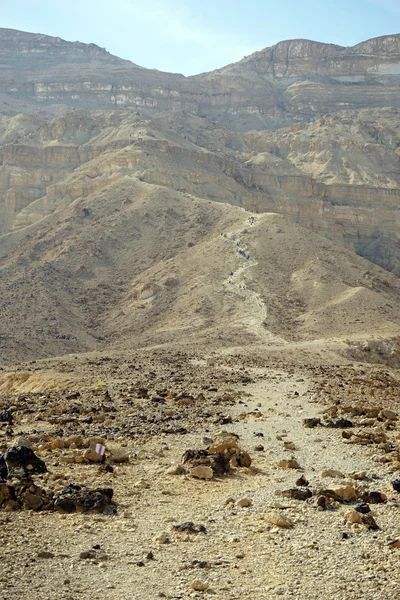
x=357, y=475
x=201, y=472
x=6, y=417
x=363, y=508
x=259, y=448
x=369, y=521
x=331, y=473
x=23, y=462
x=297, y=493
x=45, y=554
x=141, y=484
x=289, y=463
x=388, y=414
x=119, y=456
x=176, y=470
x=394, y=544
x=321, y=502
x=199, y=586
x=274, y=518
x=396, y=484
x=190, y=527
x=339, y=423
x=85, y=554
x=352, y=516
x=289, y=446
x=91, y=455
x=372, y=497
x=224, y=441
x=312, y=422
x=162, y=538
x=302, y=481
x=76, y=498
x=340, y=493
x=244, y=502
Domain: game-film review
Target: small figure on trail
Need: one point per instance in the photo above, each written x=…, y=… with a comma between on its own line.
x=86, y=212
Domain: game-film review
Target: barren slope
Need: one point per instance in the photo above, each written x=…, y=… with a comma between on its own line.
x=149, y=264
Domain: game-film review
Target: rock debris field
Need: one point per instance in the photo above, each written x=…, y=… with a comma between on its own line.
x=223, y=477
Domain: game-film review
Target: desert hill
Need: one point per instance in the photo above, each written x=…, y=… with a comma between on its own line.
x=338, y=175
x=149, y=265
x=124, y=218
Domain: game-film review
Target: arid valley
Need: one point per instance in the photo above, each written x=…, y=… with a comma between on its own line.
x=200, y=324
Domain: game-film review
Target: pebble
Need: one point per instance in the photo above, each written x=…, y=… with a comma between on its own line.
x=45, y=554
x=199, y=586
x=161, y=538
x=288, y=463
x=244, y=502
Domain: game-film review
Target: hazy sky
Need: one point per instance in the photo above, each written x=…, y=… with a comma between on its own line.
x=193, y=36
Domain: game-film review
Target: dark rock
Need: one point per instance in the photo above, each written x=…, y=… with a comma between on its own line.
x=302, y=481
x=297, y=494
x=87, y=420
x=6, y=417
x=339, y=423
x=312, y=422
x=370, y=522
x=395, y=483
x=217, y=461
x=363, y=508
x=3, y=468
x=344, y=535
x=73, y=396
x=175, y=431
x=81, y=499
x=321, y=501
x=201, y=564
x=23, y=462
x=373, y=497
x=190, y=527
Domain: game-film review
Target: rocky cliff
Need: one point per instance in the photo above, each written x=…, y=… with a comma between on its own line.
x=306, y=129
x=292, y=81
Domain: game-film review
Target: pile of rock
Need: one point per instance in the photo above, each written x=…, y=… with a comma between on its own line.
x=221, y=456
x=18, y=491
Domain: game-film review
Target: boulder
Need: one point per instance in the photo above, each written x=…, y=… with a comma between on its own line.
x=22, y=462
x=76, y=498
x=274, y=518
x=340, y=493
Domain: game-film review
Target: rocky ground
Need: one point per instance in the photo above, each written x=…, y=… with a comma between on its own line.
x=234, y=518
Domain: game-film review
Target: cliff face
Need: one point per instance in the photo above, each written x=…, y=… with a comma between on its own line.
x=325, y=145
x=291, y=81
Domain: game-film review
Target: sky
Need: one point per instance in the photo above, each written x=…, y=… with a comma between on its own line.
x=194, y=36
